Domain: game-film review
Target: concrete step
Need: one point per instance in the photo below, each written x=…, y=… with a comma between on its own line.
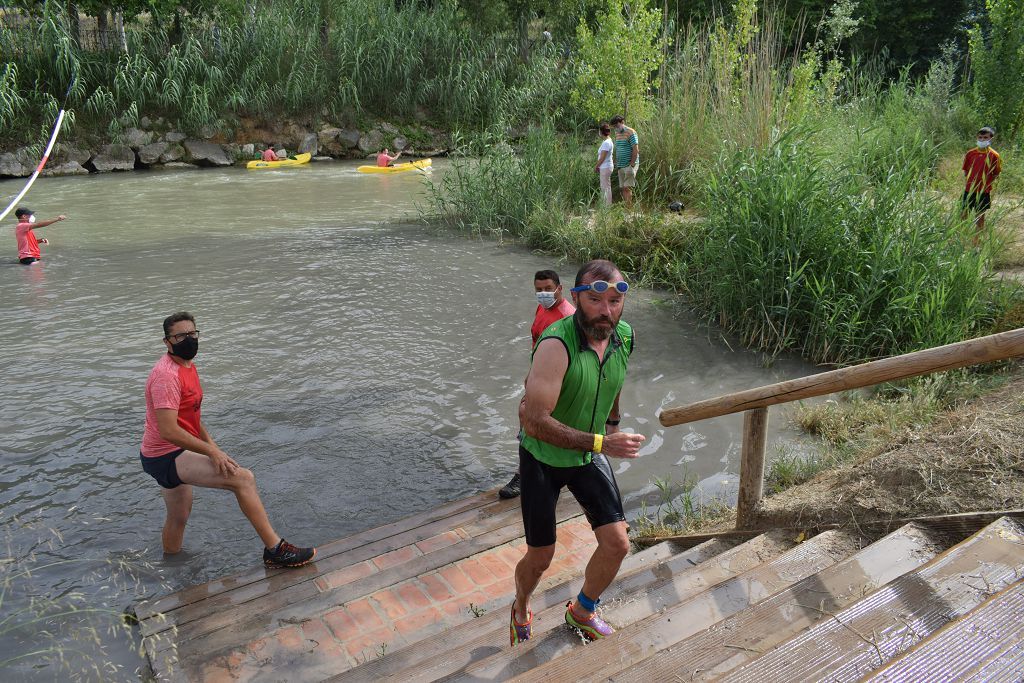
x=473, y=633
x=285, y=622
x=453, y=651
x=984, y=645
x=742, y=637
x=888, y=622
x=689, y=614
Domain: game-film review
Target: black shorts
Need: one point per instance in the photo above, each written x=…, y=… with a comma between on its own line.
x=28, y=260
x=592, y=485
x=976, y=201
x=163, y=469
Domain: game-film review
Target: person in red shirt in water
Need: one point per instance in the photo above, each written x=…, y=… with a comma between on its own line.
x=982, y=165
x=384, y=159
x=28, y=245
x=179, y=453
x=552, y=306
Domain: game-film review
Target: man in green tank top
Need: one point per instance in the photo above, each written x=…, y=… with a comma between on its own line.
x=570, y=423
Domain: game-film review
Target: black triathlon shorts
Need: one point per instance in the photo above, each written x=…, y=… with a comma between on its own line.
x=163, y=468
x=592, y=485
x=979, y=202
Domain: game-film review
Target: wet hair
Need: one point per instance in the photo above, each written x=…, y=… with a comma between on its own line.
x=22, y=212
x=547, y=275
x=599, y=268
x=176, y=318
x=988, y=129
x=606, y=129
x=618, y=118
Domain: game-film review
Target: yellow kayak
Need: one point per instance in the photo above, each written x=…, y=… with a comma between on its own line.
x=397, y=168
x=297, y=161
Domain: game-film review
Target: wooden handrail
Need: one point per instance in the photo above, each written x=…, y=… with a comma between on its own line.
x=755, y=402
x=961, y=354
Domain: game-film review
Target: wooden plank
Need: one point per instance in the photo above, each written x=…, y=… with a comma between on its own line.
x=961, y=354
x=195, y=619
x=252, y=621
x=961, y=523
x=147, y=609
x=887, y=622
x=755, y=433
x=276, y=582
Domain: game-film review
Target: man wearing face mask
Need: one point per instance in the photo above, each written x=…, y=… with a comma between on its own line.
x=28, y=245
x=982, y=165
x=570, y=423
x=179, y=453
x=627, y=158
x=552, y=306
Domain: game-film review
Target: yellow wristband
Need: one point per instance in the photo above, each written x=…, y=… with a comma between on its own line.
x=598, y=443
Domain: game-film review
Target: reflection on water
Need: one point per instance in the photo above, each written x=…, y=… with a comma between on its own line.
x=364, y=367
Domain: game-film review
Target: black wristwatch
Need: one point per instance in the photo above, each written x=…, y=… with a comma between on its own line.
x=613, y=423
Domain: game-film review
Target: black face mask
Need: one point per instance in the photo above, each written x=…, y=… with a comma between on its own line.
x=186, y=349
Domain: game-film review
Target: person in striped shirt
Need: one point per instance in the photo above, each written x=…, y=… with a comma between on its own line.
x=627, y=157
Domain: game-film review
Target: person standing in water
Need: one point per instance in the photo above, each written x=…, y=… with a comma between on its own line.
x=570, y=423
x=28, y=244
x=179, y=453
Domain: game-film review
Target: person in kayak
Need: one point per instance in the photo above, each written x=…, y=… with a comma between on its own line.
x=384, y=159
x=270, y=155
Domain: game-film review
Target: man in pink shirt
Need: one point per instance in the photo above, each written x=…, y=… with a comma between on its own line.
x=384, y=159
x=28, y=245
x=179, y=453
x=552, y=306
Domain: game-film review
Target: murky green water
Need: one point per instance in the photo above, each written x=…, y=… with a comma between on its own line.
x=364, y=366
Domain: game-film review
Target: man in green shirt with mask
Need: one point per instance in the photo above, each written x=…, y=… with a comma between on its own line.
x=570, y=424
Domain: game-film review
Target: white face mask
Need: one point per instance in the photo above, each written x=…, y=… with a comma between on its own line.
x=546, y=299
x=984, y=143
x=32, y=219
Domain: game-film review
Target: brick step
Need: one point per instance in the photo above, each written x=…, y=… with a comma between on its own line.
x=888, y=622
x=552, y=638
x=685, y=615
x=415, y=527
x=230, y=630
x=984, y=645
x=451, y=651
x=742, y=637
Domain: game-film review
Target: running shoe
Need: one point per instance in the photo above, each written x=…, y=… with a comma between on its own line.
x=287, y=555
x=511, y=489
x=517, y=632
x=593, y=628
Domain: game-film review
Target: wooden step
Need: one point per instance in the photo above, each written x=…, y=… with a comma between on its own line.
x=471, y=632
x=553, y=638
x=694, y=613
x=886, y=623
x=454, y=650
x=237, y=627
x=740, y=638
x=984, y=645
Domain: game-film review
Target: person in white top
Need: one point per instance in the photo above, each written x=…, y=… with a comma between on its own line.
x=604, y=163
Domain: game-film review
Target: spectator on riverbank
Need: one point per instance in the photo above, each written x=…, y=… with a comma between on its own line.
x=179, y=453
x=552, y=306
x=570, y=424
x=24, y=231
x=627, y=157
x=384, y=159
x=604, y=164
x=982, y=165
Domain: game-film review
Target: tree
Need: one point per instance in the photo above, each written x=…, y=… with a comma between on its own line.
x=617, y=61
x=997, y=65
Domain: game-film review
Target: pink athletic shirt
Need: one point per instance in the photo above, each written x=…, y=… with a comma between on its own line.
x=28, y=245
x=546, y=316
x=170, y=385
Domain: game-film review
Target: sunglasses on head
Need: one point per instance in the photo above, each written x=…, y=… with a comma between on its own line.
x=600, y=286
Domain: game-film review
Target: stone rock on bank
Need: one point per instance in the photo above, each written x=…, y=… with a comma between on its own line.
x=205, y=154
x=113, y=158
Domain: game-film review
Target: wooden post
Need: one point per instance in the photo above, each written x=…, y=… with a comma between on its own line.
x=755, y=431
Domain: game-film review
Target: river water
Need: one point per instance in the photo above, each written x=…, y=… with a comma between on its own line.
x=364, y=365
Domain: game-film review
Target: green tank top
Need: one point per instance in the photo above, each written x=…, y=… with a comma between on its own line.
x=589, y=388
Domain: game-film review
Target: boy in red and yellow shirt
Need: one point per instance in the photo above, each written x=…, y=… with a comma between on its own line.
x=982, y=166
